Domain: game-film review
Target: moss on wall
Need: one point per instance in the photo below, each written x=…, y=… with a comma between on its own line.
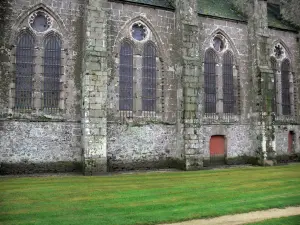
x=5, y=19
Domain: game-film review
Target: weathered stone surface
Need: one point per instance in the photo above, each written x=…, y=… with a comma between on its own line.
x=44, y=146
x=177, y=133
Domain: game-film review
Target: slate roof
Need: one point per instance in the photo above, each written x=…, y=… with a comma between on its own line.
x=275, y=20
x=167, y=4
x=219, y=8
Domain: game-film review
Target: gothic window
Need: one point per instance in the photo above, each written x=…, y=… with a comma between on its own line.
x=274, y=91
x=39, y=21
x=24, y=71
x=149, y=78
x=285, y=87
x=218, y=44
x=126, y=77
x=52, y=71
x=228, y=87
x=210, y=81
x=139, y=31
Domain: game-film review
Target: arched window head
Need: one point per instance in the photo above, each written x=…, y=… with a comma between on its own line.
x=218, y=44
x=285, y=84
x=274, y=92
x=126, y=77
x=149, y=78
x=24, y=71
x=210, y=81
x=228, y=87
x=40, y=21
x=52, y=71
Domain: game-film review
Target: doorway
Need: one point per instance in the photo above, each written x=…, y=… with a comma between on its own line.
x=291, y=142
x=217, y=150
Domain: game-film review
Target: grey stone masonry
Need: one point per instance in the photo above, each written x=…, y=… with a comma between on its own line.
x=94, y=90
x=138, y=85
x=189, y=31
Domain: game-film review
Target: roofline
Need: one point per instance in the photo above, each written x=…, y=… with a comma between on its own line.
x=284, y=29
x=143, y=4
x=223, y=18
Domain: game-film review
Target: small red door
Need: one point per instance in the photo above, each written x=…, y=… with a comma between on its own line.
x=291, y=142
x=217, y=149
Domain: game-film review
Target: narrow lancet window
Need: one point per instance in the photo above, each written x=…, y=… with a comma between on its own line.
x=285, y=83
x=126, y=77
x=274, y=91
x=228, y=87
x=149, y=78
x=24, y=71
x=210, y=81
x=52, y=72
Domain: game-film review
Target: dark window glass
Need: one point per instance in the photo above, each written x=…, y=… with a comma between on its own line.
x=149, y=78
x=138, y=32
x=210, y=81
x=40, y=22
x=228, y=87
x=218, y=44
x=24, y=71
x=285, y=83
x=126, y=77
x=52, y=72
x=274, y=92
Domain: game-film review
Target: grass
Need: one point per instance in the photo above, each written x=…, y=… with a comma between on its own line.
x=292, y=220
x=147, y=198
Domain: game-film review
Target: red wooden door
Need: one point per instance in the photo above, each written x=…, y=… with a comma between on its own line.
x=290, y=142
x=217, y=149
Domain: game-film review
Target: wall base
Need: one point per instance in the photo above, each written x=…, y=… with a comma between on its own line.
x=43, y=167
x=95, y=165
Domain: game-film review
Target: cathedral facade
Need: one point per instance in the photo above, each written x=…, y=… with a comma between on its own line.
x=109, y=85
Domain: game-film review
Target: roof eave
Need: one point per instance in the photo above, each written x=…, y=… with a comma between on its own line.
x=143, y=4
x=223, y=18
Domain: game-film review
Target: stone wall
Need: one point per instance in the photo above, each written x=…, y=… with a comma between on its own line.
x=177, y=134
x=146, y=139
x=142, y=147
x=36, y=140
x=31, y=147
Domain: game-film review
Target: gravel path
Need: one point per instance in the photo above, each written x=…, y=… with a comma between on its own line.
x=244, y=218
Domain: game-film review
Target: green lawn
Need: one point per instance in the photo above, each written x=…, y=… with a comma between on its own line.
x=293, y=220
x=148, y=198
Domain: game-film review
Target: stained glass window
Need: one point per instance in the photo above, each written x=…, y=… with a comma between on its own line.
x=126, y=77
x=274, y=93
x=39, y=22
x=24, y=71
x=149, y=78
x=285, y=87
x=228, y=88
x=52, y=71
x=138, y=32
x=210, y=81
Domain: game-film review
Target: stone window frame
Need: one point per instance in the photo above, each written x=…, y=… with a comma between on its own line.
x=286, y=55
x=219, y=116
x=219, y=86
x=23, y=25
x=278, y=114
x=138, y=52
x=137, y=115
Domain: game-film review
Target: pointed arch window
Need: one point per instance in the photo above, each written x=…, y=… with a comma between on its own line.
x=149, y=78
x=126, y=77
x=52, y=71
x=285, y=87
x=274, y=91
x=210, y=81
x=24, y=71
x=228, y=84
